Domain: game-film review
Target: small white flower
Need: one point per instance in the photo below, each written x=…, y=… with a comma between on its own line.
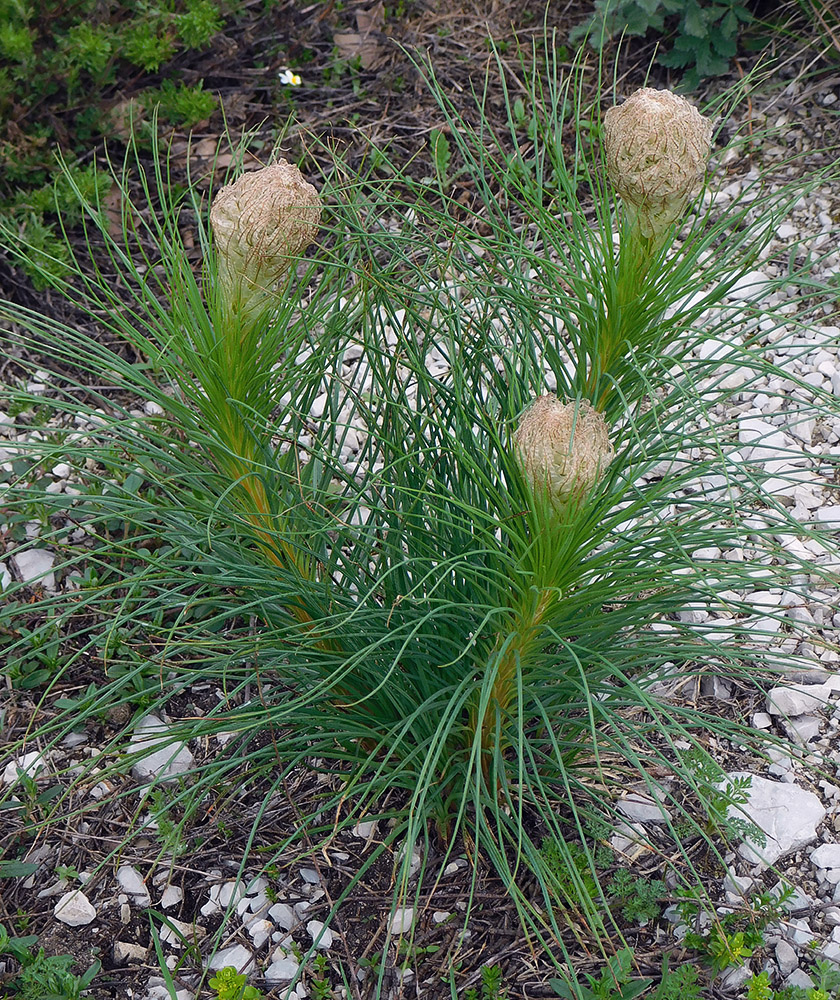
x=290, y=78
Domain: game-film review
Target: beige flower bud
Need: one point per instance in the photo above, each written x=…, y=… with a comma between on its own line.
x=563, y=448
x=261, y=223
x=657, y=145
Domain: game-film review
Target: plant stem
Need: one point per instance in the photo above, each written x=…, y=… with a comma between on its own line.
x=510, y=652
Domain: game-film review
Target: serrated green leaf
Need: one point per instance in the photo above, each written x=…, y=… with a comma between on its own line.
x=694, y=23
x=729, y=25
x=640, y=22
x=725, y=46
x=677, y=58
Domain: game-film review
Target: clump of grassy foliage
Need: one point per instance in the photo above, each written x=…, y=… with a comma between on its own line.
x=404, y=615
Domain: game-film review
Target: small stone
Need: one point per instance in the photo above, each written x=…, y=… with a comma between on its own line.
x=132, y=883
x=172, y=895
x=786, y=958
x=803, y=728
x=714, y=686
x=826, y=856
x=310, y=875
x=260, y=931
x=365, y=829
x=402, y=920
x=801, y=699
x=321, y=936
x=798, y=900
x=642, y=808
x=167, y=760
x=237, y=955
x=629, y=840
x=125, y=952
x=831, y=952
x=282, y=970
x=761, y=720
x=786, y=813
x=738, y=884
x=228, y=891
x=440, y=915
x=735, y=977
x=283, y=915
x=176, y=933
x=35, y=566
x=752, y=285
x=800, y=931
x=800, y=979
x=832, y=916
x=61, y=471
x=74, y=909
x=29, y=764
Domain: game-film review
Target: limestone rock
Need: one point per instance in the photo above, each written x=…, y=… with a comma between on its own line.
x=402, y=920
x=74, y=909
x=826, y=856
x=642, y=808
x=236, y=955
x=131, y=882
x=282, y=970
x=787, y=814
x=801, y=699
x=35, y=566
x=164, y=759
x=125, y=952
x=321, y=936
x=786, y=958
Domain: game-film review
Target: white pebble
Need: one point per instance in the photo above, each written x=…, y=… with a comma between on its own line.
x=132, y=882
x=74, y=909
x=322, y=936
x=402, y=920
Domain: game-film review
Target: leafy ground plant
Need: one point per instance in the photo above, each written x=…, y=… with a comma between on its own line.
x=338, y=505
x=827, y=985
x=41, y=976
x=705, y=34
x=614, y=983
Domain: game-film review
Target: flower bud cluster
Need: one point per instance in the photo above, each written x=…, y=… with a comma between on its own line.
x=563, y=448
x=657, y=146
x=261, y=223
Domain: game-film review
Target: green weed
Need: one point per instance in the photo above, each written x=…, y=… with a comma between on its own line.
x=231, y=985
x=733, y=937
x=41, y=976
x=614, y=982
x=180, y=104
x=491, y=985
x=638, y=898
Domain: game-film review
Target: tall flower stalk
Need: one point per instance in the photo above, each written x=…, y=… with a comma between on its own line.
x=656, y=147
x=261, y=223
